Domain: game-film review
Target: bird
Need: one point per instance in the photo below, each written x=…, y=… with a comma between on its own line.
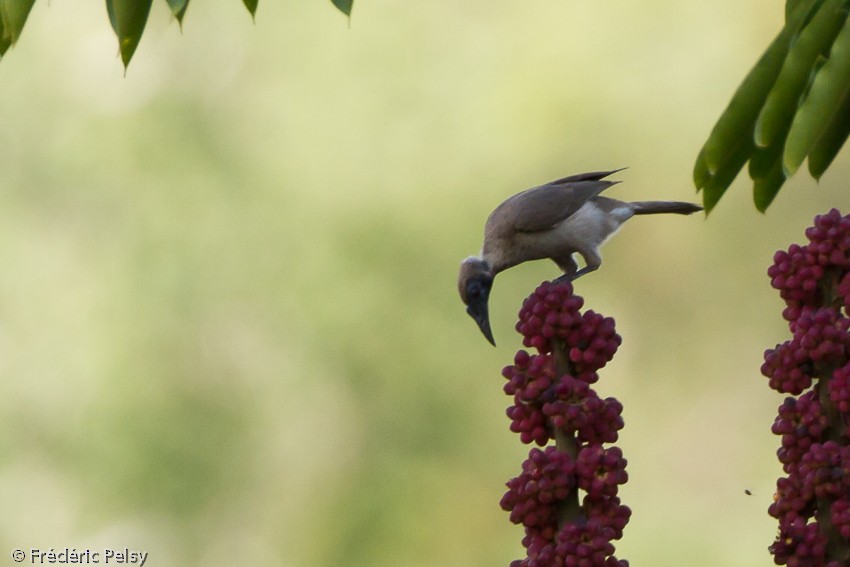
x=556, y=220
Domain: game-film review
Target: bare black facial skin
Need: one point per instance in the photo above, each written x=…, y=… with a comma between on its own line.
x=477, y=294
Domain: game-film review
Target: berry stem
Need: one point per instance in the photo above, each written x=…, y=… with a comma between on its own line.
x=830, y=298
x=568, y=510
x=828, y=287
x=837, y=547
x=835, y=430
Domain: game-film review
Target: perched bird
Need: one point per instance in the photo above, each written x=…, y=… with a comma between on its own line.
x=555, y=221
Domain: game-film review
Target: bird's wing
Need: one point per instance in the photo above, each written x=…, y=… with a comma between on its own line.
x=592, y=176
x=543, y=207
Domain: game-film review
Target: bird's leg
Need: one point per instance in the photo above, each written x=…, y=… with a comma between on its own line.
x=592, y=261
x=569, y=266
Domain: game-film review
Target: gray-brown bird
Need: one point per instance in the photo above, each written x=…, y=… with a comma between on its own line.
x=555, y=221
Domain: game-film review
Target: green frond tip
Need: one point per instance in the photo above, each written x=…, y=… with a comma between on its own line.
x=252, y=6
x=5, y=42
x=767, y=187
x=738, y=119
x=128, y=18
x=831, y=140
x=702, y=175
x=715, y=183
x=13, y=15
x=781, y=104
x=823, y=105
x=178, y=9
x=344, y=6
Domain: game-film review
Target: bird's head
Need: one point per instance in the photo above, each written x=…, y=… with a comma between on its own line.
x=474, y=283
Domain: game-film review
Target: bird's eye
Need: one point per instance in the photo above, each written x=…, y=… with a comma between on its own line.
x=473, y=290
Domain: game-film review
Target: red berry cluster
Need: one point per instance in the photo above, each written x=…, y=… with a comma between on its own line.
x=553, y=400
x=547, y=478
x=812, y=502
x=543, y=404
x=552, y=313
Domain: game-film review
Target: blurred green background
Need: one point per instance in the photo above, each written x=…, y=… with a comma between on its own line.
x=229, y=327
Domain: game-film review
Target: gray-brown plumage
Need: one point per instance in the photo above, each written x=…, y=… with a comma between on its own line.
x=555, y=221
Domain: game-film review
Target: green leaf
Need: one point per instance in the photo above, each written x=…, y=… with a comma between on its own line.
x=344, y=6
x=701, y=174
x=793, y=10
x=800, y=16
x=830, y=142
x=775, y=117
x=178, y=9
x=767, y=173
x=128, y=18
x=738, y=120
x=177, y=5
x=5, y=42
x=13, y=14
x=763, y=159
x=790, y=6
x=822, y=106
x=720, y=180
x=766, y=187
x=252, y=6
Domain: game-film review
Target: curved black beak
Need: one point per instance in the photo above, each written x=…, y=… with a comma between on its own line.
x=478, y=311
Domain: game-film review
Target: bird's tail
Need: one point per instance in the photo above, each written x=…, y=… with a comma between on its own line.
x=654, y=207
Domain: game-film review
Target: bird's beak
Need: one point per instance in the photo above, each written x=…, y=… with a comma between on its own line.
x=478, y=311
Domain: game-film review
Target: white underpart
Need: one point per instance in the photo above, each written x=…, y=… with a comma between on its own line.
x=590, y=226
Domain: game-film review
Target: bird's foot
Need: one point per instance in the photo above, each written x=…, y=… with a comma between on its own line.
x=574, y=276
